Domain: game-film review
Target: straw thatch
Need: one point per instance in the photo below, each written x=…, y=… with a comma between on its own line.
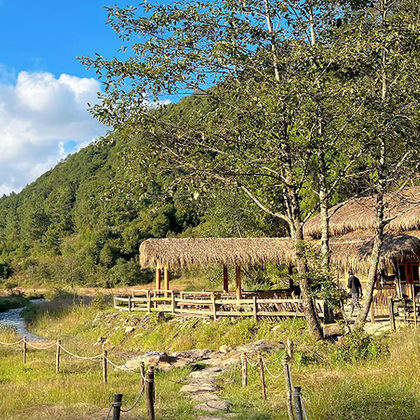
x=179, y=253
x=359, y=214
x=353, y=251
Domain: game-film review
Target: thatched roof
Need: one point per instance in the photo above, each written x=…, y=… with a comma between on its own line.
x=178, y=253
x=359, y=214
x=348, y=251
x=353, y=251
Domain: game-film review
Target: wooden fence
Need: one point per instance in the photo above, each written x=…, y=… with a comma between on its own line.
x=404, y=310
x=215, y=304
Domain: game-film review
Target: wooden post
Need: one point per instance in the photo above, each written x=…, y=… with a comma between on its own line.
x=158, y=278
x=149, y=302
x=289, y=348
x=173, y=302
x=149, y=393
x=105, y=367
x=25, y=347
x=116, y=404
x=244, y=370
x=415, y=311
x=238, y=282
x=142, y=373
x=288, y=378
x=372, y=312
x=129, y=303
x=213, y=306
x=166, y=278
x=328, y=314
x=391, y=312
x=225, y=279
x=255, y=308
x=297, y=396
x=262, y=376
x=57, y=357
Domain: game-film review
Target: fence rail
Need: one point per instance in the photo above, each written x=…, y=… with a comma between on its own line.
x=214, y=304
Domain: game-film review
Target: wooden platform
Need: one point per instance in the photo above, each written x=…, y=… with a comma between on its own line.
x=259, y=305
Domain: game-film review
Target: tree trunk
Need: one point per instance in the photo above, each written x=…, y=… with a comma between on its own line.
x=324, y=202
x=307, y=301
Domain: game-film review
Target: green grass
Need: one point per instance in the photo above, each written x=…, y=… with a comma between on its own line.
x=15, y=300
x=362, y=377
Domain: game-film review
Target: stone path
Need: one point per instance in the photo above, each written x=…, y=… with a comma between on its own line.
x=202, y=384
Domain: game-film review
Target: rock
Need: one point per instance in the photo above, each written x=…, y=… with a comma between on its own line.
x=128, y=330
x=196, y=354
x=204, y=396
x=213, y=406
x=332, y=330
x=225, y=349
x=267, y=346
x=196, y=388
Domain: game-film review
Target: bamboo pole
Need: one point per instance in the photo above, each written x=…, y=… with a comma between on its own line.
x=255, y=308
x=391, y=312
x=158, y=277
x=297, y=396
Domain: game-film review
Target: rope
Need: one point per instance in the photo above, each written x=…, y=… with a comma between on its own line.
x=270, y=373
x=126, y=369
x=109, y=411
x=12, y=344
x=41, y=348
x=135, y=402
x=250, y=363
x=80, y=357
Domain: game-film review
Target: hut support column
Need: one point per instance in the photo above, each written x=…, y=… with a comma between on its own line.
x=166, y=278
x=225, y=279
x=238, y=282
x=158, y=278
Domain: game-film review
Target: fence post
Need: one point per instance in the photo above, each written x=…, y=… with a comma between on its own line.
x=105, y=367
x=24, y=349
x=116, y=404
x=150, y=393
x=391, y=312
x=255, y=308
x=213, y=301
x=297, y=396
x=262, y=376
x=244, y=370
x=149, y=302
x=129, y=303
x=288, y=378
x=173, y=302
x=142, y=373
x=328, y=314
x=57, y=356
x=289, y=348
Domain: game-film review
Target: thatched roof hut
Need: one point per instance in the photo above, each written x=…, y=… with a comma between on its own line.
x=353, y=251
x=359, y=214
x=184, y=252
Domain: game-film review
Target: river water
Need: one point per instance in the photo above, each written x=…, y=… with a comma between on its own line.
x=12, y=319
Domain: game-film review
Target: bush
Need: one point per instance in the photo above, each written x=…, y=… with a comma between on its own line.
x=359, y=345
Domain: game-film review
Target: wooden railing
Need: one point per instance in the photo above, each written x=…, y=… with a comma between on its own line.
x=213, y=304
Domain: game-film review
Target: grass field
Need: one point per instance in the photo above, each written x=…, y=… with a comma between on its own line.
x=362, y=377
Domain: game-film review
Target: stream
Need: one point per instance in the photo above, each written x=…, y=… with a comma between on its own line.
x=12, y=319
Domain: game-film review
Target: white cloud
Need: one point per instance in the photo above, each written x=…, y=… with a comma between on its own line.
x=39, y=116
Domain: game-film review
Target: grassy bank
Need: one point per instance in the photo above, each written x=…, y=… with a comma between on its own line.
x=362, y=377
x=16, y=300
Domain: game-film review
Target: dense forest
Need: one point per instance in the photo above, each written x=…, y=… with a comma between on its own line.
x=81, y=223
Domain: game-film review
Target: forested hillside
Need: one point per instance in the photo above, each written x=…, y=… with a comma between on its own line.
x=82, y=222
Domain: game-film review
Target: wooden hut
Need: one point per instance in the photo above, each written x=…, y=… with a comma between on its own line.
x=352, y=227
x=164, y=255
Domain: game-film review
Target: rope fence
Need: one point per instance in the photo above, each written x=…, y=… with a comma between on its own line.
x=295, y=405
x=147, y=380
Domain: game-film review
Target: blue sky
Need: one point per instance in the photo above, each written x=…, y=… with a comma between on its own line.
x=43, y=87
